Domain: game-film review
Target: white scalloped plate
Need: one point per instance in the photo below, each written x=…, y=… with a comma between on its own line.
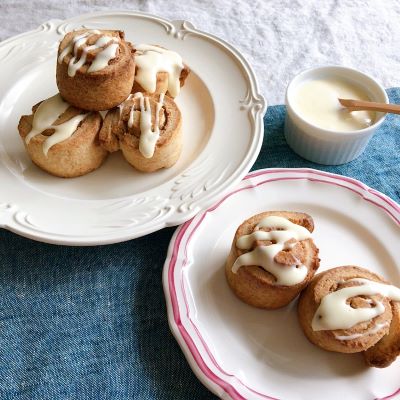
x=222, y=125
x=240, y=352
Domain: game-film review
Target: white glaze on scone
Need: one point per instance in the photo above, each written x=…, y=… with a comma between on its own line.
x=101, y=59
x=45, y=116
x=150, y=60
x=282, y=231
x=148, y=135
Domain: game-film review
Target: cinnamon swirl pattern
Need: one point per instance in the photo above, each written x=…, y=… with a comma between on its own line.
x=272, y=258
x=350, y=309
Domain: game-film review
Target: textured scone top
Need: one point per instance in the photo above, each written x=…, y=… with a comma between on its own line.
x=92, y=51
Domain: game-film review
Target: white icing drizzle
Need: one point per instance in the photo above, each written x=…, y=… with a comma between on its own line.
x=372, y=331
x=263, y=256
x=122, y=105
x=62, y=132
x=101, y=59
x=150, y=60
x=130, y=120
x=334, y=312
x=148, y=137
x=103, y=113
x=71, y=45
x=44, y=117
x=349, y=337
x=47, y=112
x=158, y=109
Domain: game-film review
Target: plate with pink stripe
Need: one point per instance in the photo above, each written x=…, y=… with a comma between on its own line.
x=240, y=352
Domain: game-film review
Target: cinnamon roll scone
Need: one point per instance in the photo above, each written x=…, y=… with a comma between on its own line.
x=147, y=128
x=95, y=69
x=62, y=139
x=350, y=309
x=158, y=70
x=272, y=258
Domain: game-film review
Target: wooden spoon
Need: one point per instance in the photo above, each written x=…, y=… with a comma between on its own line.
x=358, y=105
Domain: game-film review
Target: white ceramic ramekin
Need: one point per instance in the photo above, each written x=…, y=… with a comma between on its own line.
x=325, y=146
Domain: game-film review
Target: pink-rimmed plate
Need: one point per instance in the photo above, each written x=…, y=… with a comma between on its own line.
x=240, y=352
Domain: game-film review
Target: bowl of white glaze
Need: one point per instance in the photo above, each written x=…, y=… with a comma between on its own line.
x=317, y=127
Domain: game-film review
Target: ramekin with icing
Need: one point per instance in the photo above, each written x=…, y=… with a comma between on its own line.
x=330, y=146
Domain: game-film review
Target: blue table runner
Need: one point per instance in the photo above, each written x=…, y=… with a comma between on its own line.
x=91, y=323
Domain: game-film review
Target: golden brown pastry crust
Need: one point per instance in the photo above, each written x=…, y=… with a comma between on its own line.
x=384, y=352
x=103, y=89
x=327, y=282
x=162, y=82
x=115, y=134
x=75, y=156
x=253, y=284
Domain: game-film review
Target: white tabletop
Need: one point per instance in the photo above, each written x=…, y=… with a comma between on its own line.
x=280, y=38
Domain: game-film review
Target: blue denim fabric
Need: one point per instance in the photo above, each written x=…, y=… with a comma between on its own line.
x=90, y=322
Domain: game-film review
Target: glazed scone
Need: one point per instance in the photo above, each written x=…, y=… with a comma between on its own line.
x=158, y=70
x=95, y=69
x=272, y=258
x=350, y=309
x=61, y=139
x=147, y=128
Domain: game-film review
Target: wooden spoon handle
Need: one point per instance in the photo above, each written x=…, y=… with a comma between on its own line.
x=358, y=105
